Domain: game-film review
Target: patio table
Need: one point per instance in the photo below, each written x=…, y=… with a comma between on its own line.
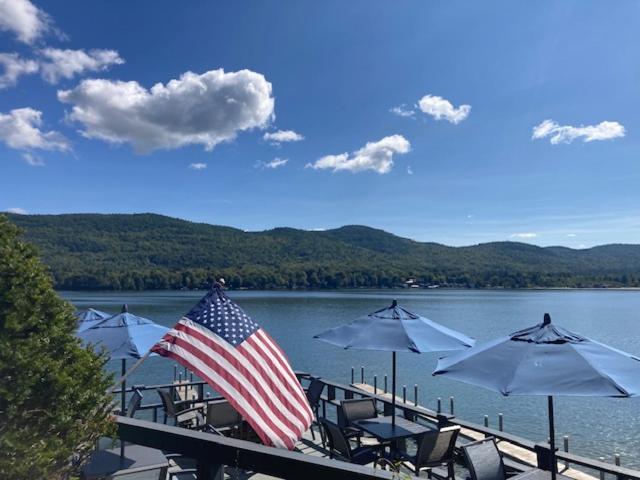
x=384, y=431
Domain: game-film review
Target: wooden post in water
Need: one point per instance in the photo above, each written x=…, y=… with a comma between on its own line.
x=565, y=441
x=451, y=405
x=385, y=383
x=500, y=422
x=415, y=394
x=439, y=409
x=375, y=384
x=404, y=394
x=362, y=374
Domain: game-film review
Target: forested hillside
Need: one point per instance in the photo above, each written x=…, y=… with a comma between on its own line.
x=147, y=251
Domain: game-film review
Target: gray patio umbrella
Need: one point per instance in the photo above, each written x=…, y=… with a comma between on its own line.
x=546, y=360
x=90, y=317
x=123, y=336
x=395, y=329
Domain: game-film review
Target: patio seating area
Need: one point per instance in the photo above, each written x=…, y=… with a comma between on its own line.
x=353, y=437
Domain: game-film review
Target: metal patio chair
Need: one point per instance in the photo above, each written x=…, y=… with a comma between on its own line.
x=339, y=446
x=353, y=410
x=314, y=392
x=484, y=460
x=435, y=449
x=179, y=411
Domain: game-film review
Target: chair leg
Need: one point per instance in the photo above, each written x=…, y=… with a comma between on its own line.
x=313, y=435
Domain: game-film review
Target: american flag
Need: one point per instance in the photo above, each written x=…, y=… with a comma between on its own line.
x=219, y=342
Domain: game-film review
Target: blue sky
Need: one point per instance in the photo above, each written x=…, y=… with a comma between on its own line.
x=470, y=159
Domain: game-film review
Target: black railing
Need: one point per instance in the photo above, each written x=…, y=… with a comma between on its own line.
x=213, y=452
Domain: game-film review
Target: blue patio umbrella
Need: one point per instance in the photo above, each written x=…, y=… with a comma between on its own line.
x=395, y=329
x=90, y=317
x=124, y=336
x=546, y=360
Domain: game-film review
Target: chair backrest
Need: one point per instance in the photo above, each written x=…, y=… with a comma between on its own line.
x=134, y=403
x=167, y=402
x=336, y=440
x=222, y=414
x=484, y=460
x=314, y=391
x=358, y=409
x=437, y=447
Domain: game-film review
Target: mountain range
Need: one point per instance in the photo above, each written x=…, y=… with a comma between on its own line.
x=150, y=251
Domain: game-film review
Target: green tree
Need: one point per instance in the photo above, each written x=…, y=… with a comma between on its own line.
x=53, y=401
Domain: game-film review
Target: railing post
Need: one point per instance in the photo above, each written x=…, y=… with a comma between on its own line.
x=451, y=405
x=486, y=421
x=415, y=394
x=439, y=408
x=201, y=392
x=207, y=471
x=331, y=392
x=565, y=441
x=404, y=394
x=543, y=454
x=353, y=378
x=375, y=384
x=385, y=383
x=362, y=374
x=500, y=422
x=601, y=472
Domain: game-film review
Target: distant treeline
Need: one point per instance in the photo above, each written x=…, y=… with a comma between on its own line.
x=151, y=252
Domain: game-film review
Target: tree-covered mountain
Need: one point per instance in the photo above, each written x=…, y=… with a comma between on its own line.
x=148, y=251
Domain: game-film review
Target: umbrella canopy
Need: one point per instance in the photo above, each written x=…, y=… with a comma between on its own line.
x=90, y=317
x=546, y=360
x=124, y=335
x=395, y=329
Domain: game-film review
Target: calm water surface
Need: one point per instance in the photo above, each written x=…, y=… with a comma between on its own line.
x=596, y=426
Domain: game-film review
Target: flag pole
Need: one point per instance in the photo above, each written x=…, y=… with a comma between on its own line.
x=128, y=374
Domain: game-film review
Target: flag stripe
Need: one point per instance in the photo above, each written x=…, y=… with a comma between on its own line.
x=221, y=384
x=291, y=399
x=264, y=341
x=274, y=399
x=230, y=372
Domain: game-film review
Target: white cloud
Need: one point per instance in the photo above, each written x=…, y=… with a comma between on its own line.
x=58, y=64
x=22, y=18
x=409, y=170
x=376, y=156
x=572, y=235
x=20, y=129
x=17, y=210
x=196, y=109
x=524, y=235
x=403, y=111
x=55, y=64
x=197, y=166
x=439, y=108
x=33, y=160
x=282, y=136
x=14, y=67
x=273, y=164
x=567, y=133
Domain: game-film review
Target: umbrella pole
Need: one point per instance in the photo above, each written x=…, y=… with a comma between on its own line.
x=393, y=390
x=552, y=439
x=123, y=393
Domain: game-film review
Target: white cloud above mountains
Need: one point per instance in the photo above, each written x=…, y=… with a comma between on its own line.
x=567, y=133
x=376, y=156
x=55, y=64
x=20, y=129
x=196, y=109
x=24, y=20
x=525, y=235
x=282, y=136
x=442, y=109
x=198, y=166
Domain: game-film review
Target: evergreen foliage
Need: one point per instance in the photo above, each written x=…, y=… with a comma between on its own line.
x=53, y=405
x=146, y=251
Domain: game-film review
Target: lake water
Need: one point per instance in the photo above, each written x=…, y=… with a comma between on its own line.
x=598, y=427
